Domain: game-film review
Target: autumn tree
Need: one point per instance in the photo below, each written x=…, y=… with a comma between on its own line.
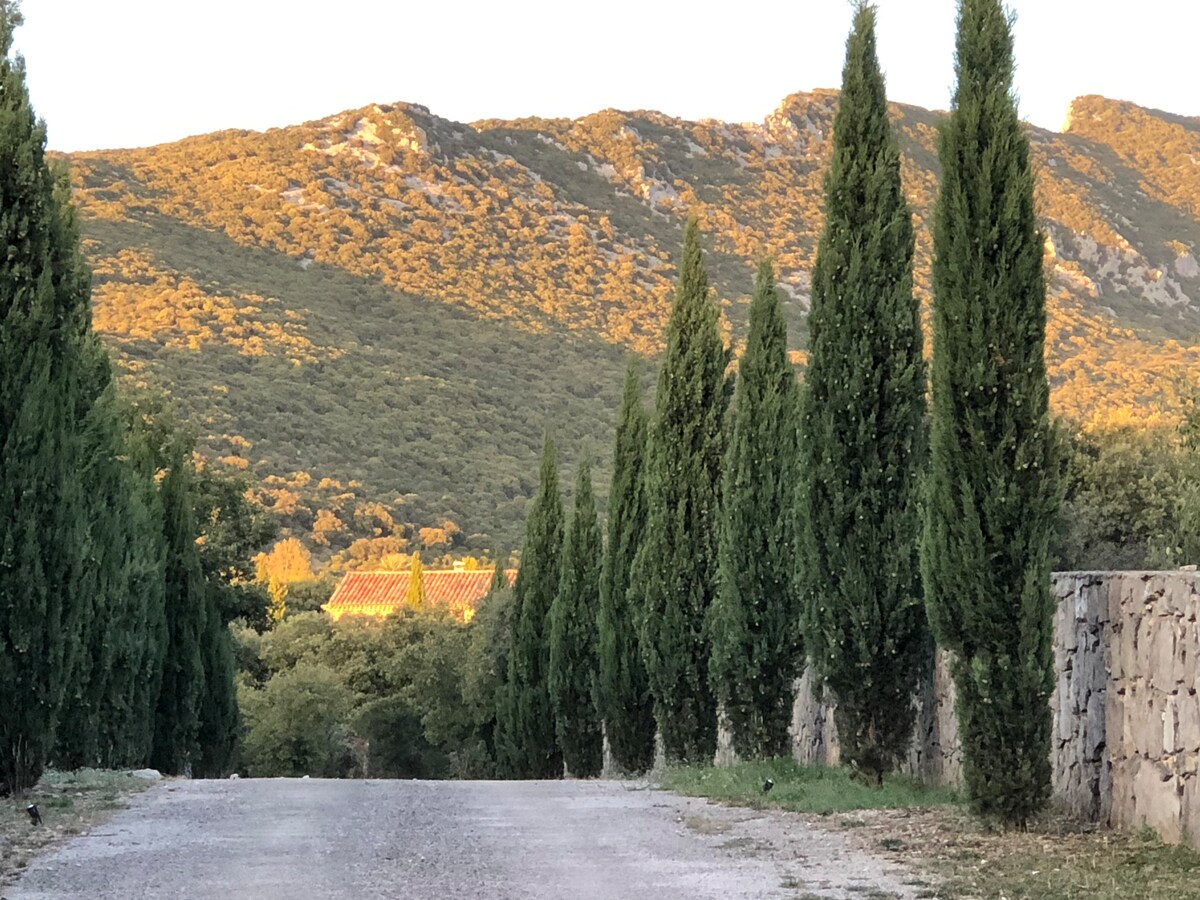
x=992, y=498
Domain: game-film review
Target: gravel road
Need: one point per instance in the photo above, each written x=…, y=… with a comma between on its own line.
x=282, y=839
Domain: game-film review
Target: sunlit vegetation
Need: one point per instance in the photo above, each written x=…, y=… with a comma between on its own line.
x=397, y=304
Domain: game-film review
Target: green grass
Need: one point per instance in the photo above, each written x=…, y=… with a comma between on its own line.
x=801, y=789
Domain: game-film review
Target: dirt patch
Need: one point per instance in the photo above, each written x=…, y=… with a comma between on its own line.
x=70, y=803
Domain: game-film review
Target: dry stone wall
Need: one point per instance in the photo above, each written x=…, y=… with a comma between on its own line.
x=1126, y=740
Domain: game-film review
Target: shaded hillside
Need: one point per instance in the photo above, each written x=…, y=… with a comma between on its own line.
x=378, y=313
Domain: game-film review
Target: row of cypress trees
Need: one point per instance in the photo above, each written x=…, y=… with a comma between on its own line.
x=113, y=650
x=809, y=522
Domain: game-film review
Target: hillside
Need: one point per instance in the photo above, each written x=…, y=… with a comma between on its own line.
x=377, y=314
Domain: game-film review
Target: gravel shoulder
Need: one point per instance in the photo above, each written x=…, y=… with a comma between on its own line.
x=293, y=839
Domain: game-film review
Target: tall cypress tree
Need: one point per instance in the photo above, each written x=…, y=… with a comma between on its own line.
x=992, y=494
x=862, y=432
x=499, y=575
x=676, y=567
x=177, y=716
x=218, y=709
x=755, y=618
x=147, y=587
x=414, y=597
x=530, y=748
x=623, y=688
x=104, y=625
x=573, y=654
x=43, y=300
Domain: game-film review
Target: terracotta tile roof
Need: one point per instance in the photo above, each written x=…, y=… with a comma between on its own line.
x=382, y=593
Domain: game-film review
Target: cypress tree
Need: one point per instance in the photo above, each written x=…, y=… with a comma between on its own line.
x=499, y=575
x=105, y=596
x=755, y=618
x=623, y=688
x=177, y=713
x=676, y=567
x=863, y=433
x=218, y=710
x=529, y=748
x=573, y=654
x=992, y=495
x=43, y=300
x=147, y=588
x=414, y=596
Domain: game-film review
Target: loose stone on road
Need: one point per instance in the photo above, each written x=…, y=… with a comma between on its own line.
x=284, y=839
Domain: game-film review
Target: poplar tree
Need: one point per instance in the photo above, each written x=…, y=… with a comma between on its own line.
x=43, y=299
x=676, y=567
x=755, y=619
x=992, y=493
x=863, y=432
x=530, y=747
x=573, y=654
x=623, y=688
x=177, y=713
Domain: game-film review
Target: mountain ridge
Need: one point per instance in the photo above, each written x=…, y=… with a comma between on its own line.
x=256, y=255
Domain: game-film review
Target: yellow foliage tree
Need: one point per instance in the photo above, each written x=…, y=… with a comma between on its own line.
x=288, y=562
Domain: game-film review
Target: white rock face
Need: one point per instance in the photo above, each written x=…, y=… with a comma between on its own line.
x=147, y=774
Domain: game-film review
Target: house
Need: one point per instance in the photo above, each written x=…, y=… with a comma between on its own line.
x=380, y=594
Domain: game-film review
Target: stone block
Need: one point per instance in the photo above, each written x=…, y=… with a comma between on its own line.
x=1158, y=799
x=1189, y=721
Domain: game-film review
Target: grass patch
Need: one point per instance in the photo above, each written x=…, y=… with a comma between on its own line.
x=70, y=802
x=930, y=832
x=1059, y=861
x=814, y=789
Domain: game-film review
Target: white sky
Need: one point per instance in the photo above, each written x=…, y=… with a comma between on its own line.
x=122, y=73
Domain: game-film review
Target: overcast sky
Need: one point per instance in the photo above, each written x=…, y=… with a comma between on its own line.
x=123, y=73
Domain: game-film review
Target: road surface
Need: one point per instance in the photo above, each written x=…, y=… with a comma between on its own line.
x=287, y=839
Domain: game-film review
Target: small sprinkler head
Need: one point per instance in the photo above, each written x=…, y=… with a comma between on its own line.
x=35, y=817
x=768, y=784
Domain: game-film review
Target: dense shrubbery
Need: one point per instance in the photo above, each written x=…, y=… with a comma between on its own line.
x=412, y=696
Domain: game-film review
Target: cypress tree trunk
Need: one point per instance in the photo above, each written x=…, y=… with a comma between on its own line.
x=623, y=688
x=863, y=436
x=43, y=312
x=992, y=496
x=676, y=568
x=530, y=747
x=177, y=716
x=573, y=654
x=755, y=618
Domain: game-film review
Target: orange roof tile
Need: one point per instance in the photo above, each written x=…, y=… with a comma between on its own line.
x=382, y=593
